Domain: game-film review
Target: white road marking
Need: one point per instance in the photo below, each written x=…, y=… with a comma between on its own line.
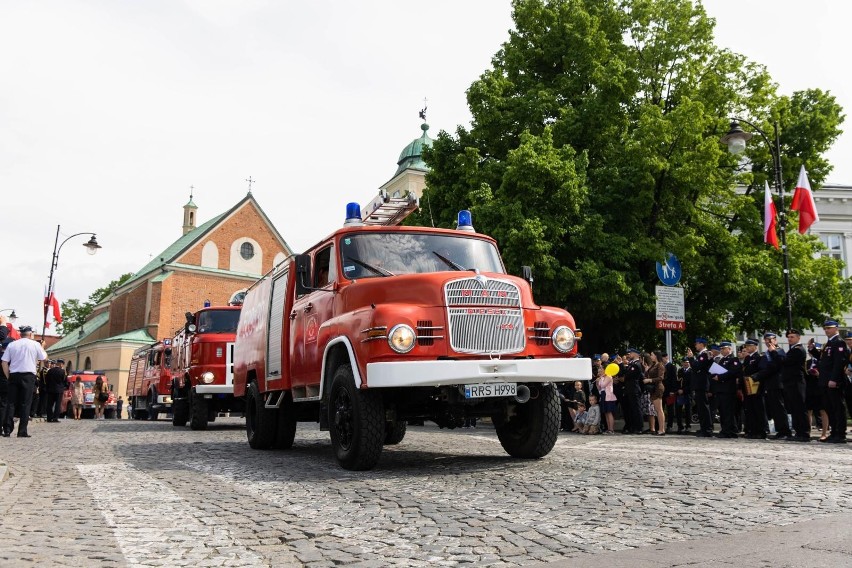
x=152, y=522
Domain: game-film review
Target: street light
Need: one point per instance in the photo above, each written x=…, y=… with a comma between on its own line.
x=736, y=139
x=13, y=316
x=92, y=247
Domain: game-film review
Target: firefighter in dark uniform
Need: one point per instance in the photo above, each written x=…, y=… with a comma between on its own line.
x=793, y=368
x=773, y=393
x=832, y=378
x=755, y=412
x=633, y=375
x=700, y=385
x=725, y=389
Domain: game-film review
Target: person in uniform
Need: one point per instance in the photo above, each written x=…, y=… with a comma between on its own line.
x=725, y=389
x=832, y=378
x=847, y=338
x=19, y=364
x=700, y=386
x=634, y=373
x=770, y=382
x=793, y=368
x=753, y=407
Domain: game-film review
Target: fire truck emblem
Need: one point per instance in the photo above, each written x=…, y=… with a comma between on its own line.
x=311, y=330
x=481, y=280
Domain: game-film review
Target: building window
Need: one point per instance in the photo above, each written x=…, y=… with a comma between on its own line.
x=247, y=251
x=87, y=366
x=834, y=244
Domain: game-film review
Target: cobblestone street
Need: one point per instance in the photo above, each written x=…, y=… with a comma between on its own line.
x=125, y=493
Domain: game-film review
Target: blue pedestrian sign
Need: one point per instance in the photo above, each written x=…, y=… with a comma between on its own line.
x=669, y=271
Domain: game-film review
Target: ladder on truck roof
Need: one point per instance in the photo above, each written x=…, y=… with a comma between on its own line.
x=388, y=211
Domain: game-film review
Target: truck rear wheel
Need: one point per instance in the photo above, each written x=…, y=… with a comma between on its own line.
x=357, y=422
x=532, y=431
x=260, y=421
x=150, y=401
x=180, y=412
x=394, y=432
x=197, y=411
x=286, y=430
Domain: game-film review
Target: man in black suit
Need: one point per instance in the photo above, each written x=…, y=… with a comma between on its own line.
x=700, y=386
x=633, y=375
x=793, y=380
x=725, y=389
x=770, y=382
x=753, y=407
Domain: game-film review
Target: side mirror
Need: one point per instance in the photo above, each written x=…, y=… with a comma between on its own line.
x=526, y=274
x=303, y=274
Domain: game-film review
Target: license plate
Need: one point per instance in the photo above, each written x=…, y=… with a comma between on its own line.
x=486, y=390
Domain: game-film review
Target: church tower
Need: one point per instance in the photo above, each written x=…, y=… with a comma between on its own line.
x=189, y=214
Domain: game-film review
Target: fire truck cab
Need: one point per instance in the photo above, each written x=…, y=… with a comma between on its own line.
x=149, y=383
x=380, y=324
x=202, y=367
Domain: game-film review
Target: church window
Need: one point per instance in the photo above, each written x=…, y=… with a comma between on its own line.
x=247, y=251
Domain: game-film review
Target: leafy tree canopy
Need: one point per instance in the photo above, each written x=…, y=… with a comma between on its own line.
x=75, y=313
x=594, y=150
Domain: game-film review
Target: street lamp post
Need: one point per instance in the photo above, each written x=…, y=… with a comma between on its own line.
x=92, y=247
x=736, y=139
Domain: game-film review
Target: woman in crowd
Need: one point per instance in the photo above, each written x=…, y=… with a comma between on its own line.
x=655, y=373
x=77, y=394
x=608, y=401
x=99, y=389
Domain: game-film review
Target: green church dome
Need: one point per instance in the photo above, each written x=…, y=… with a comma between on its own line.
x=410, y=157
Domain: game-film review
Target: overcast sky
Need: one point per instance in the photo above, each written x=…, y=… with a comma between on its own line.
x=111, y=110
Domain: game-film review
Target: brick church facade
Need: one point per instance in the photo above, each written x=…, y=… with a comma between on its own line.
x=213, y=262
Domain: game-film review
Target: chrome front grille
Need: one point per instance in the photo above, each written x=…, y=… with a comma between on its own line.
x=484, y=316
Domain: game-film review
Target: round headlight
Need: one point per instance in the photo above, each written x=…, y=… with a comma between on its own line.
x=563, y=339
x=207, y=377
x=401, y=338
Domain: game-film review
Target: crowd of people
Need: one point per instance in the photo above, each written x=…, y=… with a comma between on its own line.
x=777, y=393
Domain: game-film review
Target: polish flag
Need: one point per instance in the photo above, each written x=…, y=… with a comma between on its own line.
x=769, y=235
x=803, y=202
x=51, y=305
x=13, y=333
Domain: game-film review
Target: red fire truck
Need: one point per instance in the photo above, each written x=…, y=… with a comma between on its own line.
x=149, y=385
x=202, y=367
x=381, y=324
x=88, y=379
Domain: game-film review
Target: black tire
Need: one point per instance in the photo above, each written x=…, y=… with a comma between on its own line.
x=286, y=428
x=357, y=423
x=260, y=422
x=180, y=412
x=150, y=402
x=394, y=432
x=533, y=427
x=197, y=411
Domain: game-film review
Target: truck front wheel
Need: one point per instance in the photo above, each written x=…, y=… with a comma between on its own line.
x=260, y=421
x=531, y=429
x=357, y=423
x=150, y=401
x=197, y=411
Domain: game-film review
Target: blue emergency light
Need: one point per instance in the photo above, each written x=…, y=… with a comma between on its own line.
x=353, y=214
x=465, y=223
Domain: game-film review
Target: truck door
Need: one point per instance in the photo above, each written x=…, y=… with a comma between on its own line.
x=307, y=340
x=276, y=361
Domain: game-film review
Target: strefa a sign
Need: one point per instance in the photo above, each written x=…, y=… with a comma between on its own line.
x=671, y=312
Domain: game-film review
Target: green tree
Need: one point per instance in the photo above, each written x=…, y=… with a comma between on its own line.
x=594, y=150
x=75, y=313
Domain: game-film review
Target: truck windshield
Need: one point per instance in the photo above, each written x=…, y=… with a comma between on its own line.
x=375, y=255
x=215, y=321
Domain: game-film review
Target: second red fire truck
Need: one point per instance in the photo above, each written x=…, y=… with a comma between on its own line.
x=149, y=384
x=202, y=367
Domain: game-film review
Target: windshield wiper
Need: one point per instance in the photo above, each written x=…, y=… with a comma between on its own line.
x=370, y=267
x=449, y=262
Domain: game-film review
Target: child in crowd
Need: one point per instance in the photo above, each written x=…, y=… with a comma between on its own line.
x=592, y=422
x=580, y=417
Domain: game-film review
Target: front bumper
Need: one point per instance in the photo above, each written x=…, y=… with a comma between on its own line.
x=214, y=389
x=441, y=373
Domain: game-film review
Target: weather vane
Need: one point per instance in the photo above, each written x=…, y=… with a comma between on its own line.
x=191, y=189
x=423, y=112
x=250, y=181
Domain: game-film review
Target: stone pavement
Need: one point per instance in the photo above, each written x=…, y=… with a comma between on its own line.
x=129, y=493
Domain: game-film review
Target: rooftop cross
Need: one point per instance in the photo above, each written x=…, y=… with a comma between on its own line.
x=422, y=113
x=250, y=181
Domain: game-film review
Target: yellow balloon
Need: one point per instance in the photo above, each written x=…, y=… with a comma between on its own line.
x=612, y=369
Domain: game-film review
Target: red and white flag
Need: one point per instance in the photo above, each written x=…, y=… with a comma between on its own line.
x=803, y=202
x=51, y=307
x=769, y=234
